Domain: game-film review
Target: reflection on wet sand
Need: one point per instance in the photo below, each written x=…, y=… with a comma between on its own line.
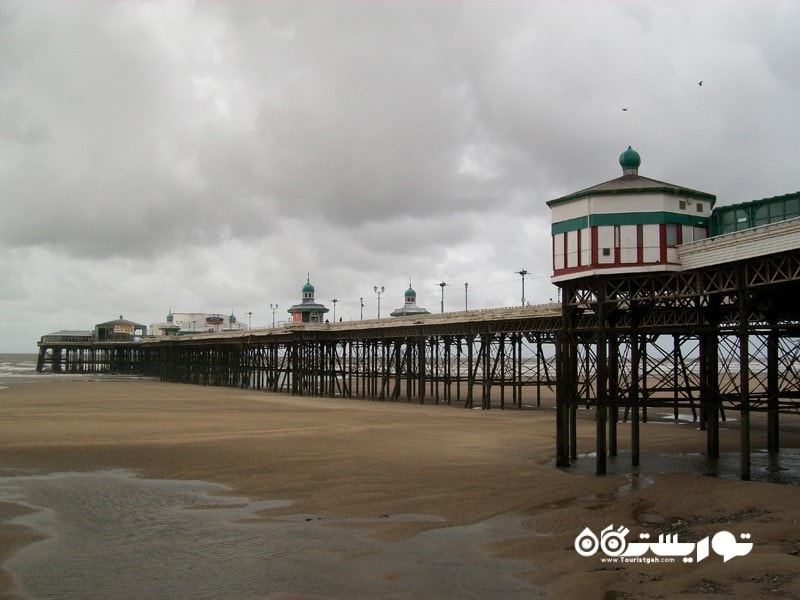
x=112, y=534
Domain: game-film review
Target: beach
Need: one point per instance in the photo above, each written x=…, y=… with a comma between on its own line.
x=392, y=475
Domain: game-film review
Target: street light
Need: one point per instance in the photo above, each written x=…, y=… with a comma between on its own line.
x=335, y=300
x=441, y=285
x=523, y=272
x=361, y=300
x=274, y=308
x=466, y=296
x=250, y=320
x=379, y=292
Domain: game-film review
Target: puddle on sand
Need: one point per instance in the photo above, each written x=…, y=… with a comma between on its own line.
x=112, y=535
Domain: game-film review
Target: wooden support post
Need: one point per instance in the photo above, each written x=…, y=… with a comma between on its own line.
x=470, y=371
x=447, y=340
x=613, y=387
x=399, y=354
x=675, y=364
x=773, y=391
x=645, y=389
x=297, y=385
x=421, y=369
x=634, y=396
x=458, y=371
x=539, y=361
x=601, y=340
x=436, y=374
x=563, y=384
x=486, y=384
x=744, y=377
x=410, y=379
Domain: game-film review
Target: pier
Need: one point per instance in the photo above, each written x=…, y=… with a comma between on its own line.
x=665, y=303
x=720, y=338
x=464, y=358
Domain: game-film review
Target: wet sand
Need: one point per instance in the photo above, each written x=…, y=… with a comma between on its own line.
x=336, y=458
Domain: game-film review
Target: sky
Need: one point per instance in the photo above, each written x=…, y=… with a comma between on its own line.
x=209, y=156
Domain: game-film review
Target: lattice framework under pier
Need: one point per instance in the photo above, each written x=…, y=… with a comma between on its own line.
x=707, y=343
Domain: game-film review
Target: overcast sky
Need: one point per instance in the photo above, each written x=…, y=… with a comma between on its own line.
x=206, y=156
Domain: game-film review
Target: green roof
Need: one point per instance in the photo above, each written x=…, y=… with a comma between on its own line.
x=632, y=183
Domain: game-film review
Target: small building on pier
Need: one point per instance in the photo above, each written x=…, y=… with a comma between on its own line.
x=168, y=328
x=119, y=330
x=410, y=306
x=68, y=336
x=308, y=311
x=631, y=224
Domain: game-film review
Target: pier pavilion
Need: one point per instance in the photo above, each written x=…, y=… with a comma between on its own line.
x=409, y=307
x=308, y=311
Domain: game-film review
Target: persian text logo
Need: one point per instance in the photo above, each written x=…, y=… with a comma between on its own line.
x=667, y=549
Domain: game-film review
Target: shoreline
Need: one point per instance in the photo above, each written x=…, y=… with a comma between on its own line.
x=349, y=457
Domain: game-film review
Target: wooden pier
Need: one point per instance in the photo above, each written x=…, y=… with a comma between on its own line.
x=720, y=337
x=464, y=358
x=90, y=357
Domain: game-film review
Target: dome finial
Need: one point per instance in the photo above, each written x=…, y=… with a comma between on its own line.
x=630, y=161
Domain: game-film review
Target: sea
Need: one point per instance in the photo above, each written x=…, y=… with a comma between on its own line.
x=21, y=368
x=18, y=368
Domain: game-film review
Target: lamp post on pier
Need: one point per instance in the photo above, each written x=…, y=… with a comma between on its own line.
x=379, y=292
x=335, y=300
x=250, y=320
x=361, y=301
x=442, y=285
x=274, y=308
x=523, y=272
x=466, y=296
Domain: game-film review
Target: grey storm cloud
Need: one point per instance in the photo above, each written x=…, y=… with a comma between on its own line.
x=212, y=153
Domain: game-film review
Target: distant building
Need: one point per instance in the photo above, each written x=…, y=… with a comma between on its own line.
x=308, y=311
x=631, y=224
x=410, y=306
x=70, y=336
x=119, y=330
x=180, y=323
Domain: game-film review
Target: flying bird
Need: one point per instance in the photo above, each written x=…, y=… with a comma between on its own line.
x=624, y=109
x=700, y=83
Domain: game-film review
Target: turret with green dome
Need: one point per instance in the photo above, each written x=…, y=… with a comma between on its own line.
x=169, y=327
x=630, y=161
x=410, y=306
x=308, y=290
x=308, y=311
